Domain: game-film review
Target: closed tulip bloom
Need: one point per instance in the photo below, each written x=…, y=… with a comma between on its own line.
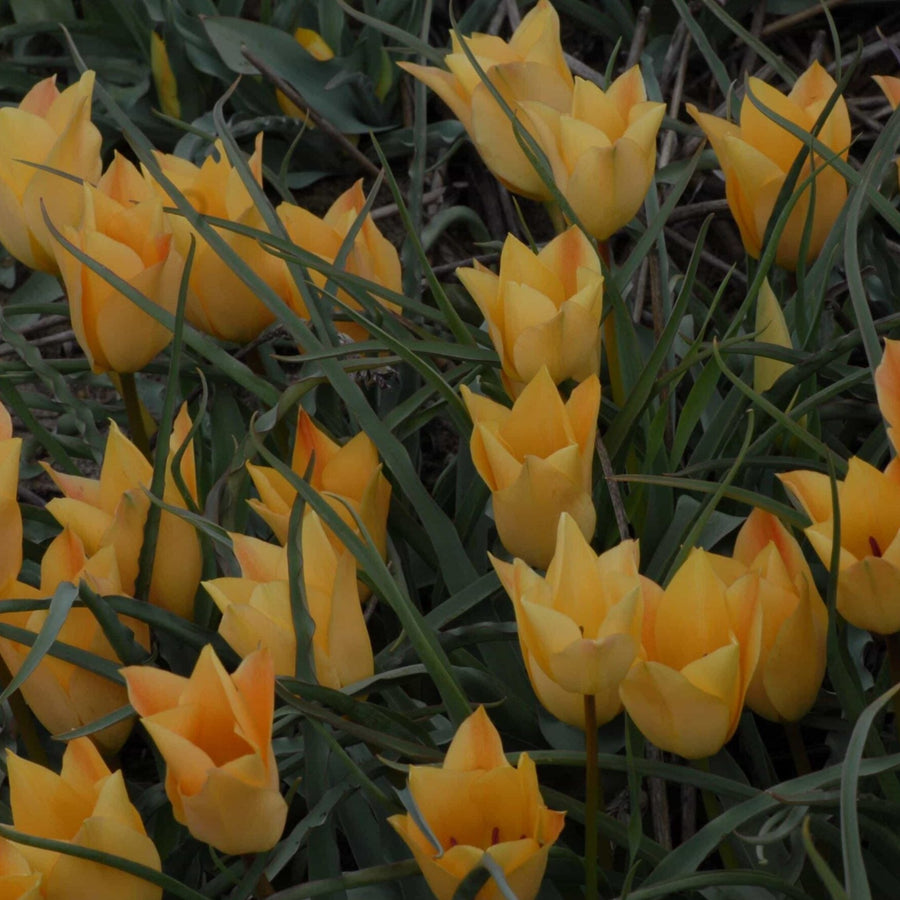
x=542, y=309
x=372, y=256
x=771, y=328
x=53, y=129
x=256, y=608
x=112, y=511
x=530, y=66
x=602, y=150
x=214, y=731
x=86, y=806
x=10, y=514
x=701, y=641
x=62, y=695
x=477, y=804
x=580, y=627
x=124, y=229
x=757, y=154
x=351, y=472
x=537, y=459
x=219, y=303
x=794, y=621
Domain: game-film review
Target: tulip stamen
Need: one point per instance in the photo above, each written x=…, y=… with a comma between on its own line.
x=876, y=550
x=495, y=835
x=452, y=842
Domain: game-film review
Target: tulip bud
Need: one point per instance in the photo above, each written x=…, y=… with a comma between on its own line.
x=794, y=621
x=580, y=627
x=542, y=309
x=531, y=66
x=86, y=806
x=124, y=229
x=771, y=328
x=537, y=460
x=55, y=130
x=757, y=155
x=701, y=640
x=602, y=150
x=214, y=731
x=163, y=76
x=477, y=804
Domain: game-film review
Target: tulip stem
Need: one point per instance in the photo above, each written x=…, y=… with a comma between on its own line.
x=593, y=802
x=134, y=409
x=798, y=748
x=892, y=642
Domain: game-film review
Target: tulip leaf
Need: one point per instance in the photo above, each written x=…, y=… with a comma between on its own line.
x=119, y=635
x=60, y=604
x=477, y=878
x=829, y=879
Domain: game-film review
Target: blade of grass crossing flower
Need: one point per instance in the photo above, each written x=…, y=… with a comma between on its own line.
x=117, y=715
x=304, y=627
x=119, y=635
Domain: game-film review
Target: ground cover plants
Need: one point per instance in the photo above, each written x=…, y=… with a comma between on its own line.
x=449, y=449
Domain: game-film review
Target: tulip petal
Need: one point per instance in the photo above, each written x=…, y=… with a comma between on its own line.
x=868, y=595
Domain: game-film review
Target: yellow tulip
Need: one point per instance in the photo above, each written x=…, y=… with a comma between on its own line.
x=891, y=87
x=771, y=328
x=757, y=154
x=314, y=44
x=64, y=696
x=580, y=627
x=112, y=511
x=537, y=460
x=10, y=514
x=701, y=641
x=602, y=149
x=18, y=881
x=542, y=309
x=478, y=805
x=372, y=256
x=219, y=303
x=348, y=476
x=887, y=386
x=86, y=806
x=794, y=621
x=54, y=129
x=214, y=731
x=164, y=79
x=531, y=66
x=123, y=228
x=256, y=608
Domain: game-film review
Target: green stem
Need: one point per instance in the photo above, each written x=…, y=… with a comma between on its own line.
x=592, y=803
x=134, y=410
x=24, y=720
x=713, y=810
x=892, y=642
x=798, y=748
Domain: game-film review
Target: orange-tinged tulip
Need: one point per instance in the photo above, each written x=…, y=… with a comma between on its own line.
x=794, y=621
x=53, y=129
x=124, y=229
x=18, y=881
x=756, y=156
x=771, y=328
x=701, y=641
x=10, y=514
x=542, y=309
x=219, y=303
x=477, y=804
x=62, y=695
x=86, y=806
x=372, y=256
x=602, y=149
x=537, y=460
x=112, y=511
x=868, y=588
x=256, y=608
x=530, y=67
x=350, y=472
x=887, y=386
x=315, y=45
x=214, y=730
x=580, y=627
x=891, y=87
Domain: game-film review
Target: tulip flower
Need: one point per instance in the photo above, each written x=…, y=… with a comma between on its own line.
x=86, y=806
x=478, y=805
x=314, y=44
x=537, y=460
x=757, y=155
x=112, y=511
x=372, y=256
x=256, y=608
x=794, y=621
x=542, y=309
x=891, y=87
x=124, y=229
x=53, y=129
x=887, y=386
x=701, y=641
x=219, y=303
x=18, y=881
x=771, y=328
x=64, y=696
x=10, y=514
x=214, y=731
x=348, y=475
x=602, y=149
x=530, y=66
x=580, y=627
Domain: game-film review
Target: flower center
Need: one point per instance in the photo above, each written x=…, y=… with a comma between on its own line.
x=876, y=550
